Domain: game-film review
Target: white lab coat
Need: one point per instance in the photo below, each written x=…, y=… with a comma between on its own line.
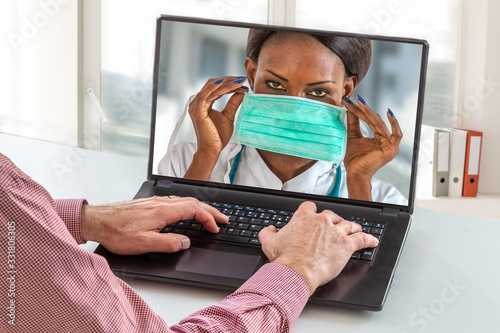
x=253, y=171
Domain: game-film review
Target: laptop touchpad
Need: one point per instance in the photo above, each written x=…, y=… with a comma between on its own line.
x=210, y=262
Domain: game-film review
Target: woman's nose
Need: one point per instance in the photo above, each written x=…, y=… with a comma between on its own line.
x=296, y=93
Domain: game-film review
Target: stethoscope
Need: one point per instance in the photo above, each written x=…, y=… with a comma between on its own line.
x=333, y=193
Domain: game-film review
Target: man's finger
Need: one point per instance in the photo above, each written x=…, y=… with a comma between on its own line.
x=361, y=240
x=266, y=238
x=168, y=242
x=349, y=227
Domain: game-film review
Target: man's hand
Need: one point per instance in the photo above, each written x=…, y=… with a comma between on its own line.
x=317, y=246
x=133, y=227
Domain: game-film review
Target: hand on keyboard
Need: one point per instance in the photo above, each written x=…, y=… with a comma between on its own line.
x=317, y=246
x=133, y=227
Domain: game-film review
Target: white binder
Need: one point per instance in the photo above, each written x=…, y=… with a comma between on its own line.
x=458, y=143
x=441, y=172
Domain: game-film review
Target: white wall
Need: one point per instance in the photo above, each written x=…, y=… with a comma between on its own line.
x=489, y=181
x=479, y=85
x=42, y=49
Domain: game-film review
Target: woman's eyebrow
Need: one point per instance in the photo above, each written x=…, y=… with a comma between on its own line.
x=278, y=76
x=321, y=82
x=309, y=84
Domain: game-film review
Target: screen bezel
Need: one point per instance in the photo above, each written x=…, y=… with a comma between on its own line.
x=313, y=197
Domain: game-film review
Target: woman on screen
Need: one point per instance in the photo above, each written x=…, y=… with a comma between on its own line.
x=290, y=133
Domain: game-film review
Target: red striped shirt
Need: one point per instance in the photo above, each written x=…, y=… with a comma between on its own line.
x=49, y=284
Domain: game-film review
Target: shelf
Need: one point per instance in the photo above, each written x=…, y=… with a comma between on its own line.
x=484, y=206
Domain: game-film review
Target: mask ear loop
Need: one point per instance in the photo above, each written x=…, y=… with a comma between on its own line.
x=178, y=125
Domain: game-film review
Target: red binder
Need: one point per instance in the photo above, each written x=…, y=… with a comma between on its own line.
x=472, y=162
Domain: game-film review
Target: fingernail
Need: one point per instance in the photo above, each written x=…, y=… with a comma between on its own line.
x=390, y=112
x=240, y=80
x=185, y=242
x=241, y=77
x=347, y=100
x=219, y=81
x=361, y=100
x=244, y=87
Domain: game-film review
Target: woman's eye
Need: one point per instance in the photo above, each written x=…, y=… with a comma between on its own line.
x=318, y=93
x=275, y=85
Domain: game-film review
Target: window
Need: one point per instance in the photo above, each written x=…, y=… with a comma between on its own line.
x=127, y=55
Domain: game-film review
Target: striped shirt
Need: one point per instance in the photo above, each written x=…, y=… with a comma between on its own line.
x=50, y=284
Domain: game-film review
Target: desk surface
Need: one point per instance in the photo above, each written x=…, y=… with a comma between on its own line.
x=446, y=280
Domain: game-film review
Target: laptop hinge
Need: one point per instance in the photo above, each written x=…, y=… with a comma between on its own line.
x=387, y=211
x=163, y=183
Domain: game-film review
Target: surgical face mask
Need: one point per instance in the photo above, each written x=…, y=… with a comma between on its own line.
x=293, y=126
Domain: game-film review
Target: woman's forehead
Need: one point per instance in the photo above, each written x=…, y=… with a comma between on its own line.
x=299, y=51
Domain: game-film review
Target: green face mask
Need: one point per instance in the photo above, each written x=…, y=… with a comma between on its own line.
x=293, y=126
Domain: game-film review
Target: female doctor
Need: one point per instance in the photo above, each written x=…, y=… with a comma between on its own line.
x=321, y=68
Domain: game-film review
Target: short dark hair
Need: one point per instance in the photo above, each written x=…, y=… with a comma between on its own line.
x=355, y=52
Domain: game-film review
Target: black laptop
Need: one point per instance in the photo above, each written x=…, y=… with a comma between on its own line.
x=190, y=51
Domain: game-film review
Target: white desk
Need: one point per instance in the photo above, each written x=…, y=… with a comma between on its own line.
x=447, y=279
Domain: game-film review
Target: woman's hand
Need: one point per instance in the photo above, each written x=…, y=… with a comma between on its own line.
x=365, y=156
x=213, y=128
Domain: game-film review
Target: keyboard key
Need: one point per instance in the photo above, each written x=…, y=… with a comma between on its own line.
x=266, y=223
x=367, y=254
x=232, y=231
x=255, y=227
x=242, y=219
x=356, y=255
x=242, y=226
x=376, y=231
x=254, y=241
x=195, y=226
x=240, y=213
x=231, y=224
x=245, y=233
x=256, y=221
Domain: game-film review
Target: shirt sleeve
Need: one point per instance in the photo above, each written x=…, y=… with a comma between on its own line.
x=76, y=291
x=70, y=211
x=270, y=301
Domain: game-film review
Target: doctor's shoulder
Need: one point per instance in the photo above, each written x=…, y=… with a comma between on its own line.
x=178, y=159
x=385, y=192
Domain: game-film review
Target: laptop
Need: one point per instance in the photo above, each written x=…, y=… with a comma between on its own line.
x=190, y=51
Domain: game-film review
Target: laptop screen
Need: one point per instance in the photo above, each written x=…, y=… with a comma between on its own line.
x=209, y=60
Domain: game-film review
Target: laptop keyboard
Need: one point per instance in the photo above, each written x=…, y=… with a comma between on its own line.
x=245, y=223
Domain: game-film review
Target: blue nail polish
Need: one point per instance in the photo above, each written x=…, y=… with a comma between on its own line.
x=244, y=87
x=361, y=100
x=240, y=81
x=390, y=112
x=241, y=77
x=219, y=81
x=347, y=100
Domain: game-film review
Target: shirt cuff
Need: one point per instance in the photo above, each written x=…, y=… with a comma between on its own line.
x=283, y=285
x=70, y=211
